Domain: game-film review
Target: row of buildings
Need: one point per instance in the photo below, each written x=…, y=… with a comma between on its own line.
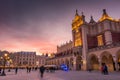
x=22, y=59
x=93, y=43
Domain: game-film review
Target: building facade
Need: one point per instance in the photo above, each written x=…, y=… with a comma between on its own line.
x=22, y=59
x=25, y=58
x=93, y=43
x=40, y=60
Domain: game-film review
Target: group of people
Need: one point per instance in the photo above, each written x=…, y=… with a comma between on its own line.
x=104, y=69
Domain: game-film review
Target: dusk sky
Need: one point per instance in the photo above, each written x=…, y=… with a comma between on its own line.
x=41, y=25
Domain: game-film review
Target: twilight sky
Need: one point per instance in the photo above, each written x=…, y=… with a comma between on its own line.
x=41, y=25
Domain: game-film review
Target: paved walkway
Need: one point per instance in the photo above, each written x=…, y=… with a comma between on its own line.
x=60, y=75
x=21, y=75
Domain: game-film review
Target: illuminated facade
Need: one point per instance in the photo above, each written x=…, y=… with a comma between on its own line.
x=25, y=58
x=76, y=31
x=93, y=43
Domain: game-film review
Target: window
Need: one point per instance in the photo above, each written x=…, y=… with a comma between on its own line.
x=100, y=40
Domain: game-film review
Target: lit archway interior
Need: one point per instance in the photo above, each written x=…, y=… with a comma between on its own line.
x=71, y=63
x=118, y=55
x=79, y=62
x=108, y=60
x=67, y=62
x=94, y=64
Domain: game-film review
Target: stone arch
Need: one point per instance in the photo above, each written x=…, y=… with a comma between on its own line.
x=118, y=59
x=62, y=61
x=79, y=62
x=106, y=57
x=58, y=62
x=55, y=62
x=51, y=62
x=93, y=62
x=71, y=63
x=67, y=62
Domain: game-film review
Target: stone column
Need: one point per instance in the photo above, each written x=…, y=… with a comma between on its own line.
x=74, y=63
x=115, y=62
x=100, y=62
x=85, y=48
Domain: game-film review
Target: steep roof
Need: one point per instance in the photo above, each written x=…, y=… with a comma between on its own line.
x=105, y=16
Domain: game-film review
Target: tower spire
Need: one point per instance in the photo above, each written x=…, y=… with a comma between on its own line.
x=76, y=12
x=92, y=20
x=83, y=17
x=104, y=11
x=105, y=16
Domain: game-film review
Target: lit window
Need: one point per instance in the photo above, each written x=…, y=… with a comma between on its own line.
x=100, y=40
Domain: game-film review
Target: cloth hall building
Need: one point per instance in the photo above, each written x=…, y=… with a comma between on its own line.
x=93, y=43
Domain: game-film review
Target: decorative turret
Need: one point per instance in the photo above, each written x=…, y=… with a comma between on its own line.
x=76, y=24
x=92, y=20
x=83, y=17
x=105, y=16
x=76, y=13
x=77, y=17
x=78, y=20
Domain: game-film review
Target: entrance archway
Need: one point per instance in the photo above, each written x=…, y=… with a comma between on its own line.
x=107, y=58
x=118, y=59
x=67, y=62
x=71, y=63
x=93, y=62
x=78, y=62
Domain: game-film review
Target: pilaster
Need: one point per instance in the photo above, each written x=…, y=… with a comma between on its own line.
x=85, y=47
x=100, y=62
x=74, y=62
x=115, y=62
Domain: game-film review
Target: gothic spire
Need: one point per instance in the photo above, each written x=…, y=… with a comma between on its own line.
x=91, y=20
x=76, y=12
x=83, y=17
x=105, y=16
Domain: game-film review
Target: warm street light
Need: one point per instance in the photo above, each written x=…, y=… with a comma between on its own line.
x=9, y=63
x=4, y=58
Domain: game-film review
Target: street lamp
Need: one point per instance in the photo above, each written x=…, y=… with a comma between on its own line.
x=9, y=63
x=5, y=57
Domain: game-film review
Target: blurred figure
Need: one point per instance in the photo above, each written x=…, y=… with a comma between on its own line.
x=42, y=70
x=105, y=69
x=0, y=70
x=16, y=70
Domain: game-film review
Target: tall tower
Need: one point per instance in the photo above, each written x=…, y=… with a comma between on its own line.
x=80, y=36
x=76, y=30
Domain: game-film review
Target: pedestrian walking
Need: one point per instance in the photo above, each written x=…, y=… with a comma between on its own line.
x=16, y=70
x=102, y=68
x=42, y=69
x=27, y=69
x=105, y=69
x=0, y=70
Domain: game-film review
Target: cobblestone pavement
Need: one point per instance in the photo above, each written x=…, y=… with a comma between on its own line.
x=60, y=75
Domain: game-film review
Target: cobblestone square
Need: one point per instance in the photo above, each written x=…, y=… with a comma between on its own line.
x=60, y=75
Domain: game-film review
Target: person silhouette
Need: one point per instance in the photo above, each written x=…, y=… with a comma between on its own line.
x=42, y=69
x=16, y=70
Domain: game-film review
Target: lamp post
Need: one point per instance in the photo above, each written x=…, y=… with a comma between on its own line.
x=5, y=57
x=9, y=63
